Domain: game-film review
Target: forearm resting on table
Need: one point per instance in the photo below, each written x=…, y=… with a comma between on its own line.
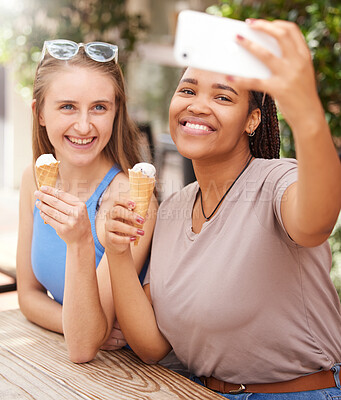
x=84, y=321
x=84, y=334
x=134, y=311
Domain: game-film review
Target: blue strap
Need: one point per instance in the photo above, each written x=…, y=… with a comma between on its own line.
x=92, y=205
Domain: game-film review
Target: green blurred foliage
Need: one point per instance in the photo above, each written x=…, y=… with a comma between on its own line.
x=24, y=28
x=320, y=23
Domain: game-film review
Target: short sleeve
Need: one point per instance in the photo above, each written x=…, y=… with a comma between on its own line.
x=272, y=178
x=283, y=176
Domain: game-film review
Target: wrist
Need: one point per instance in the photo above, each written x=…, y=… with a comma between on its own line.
x=86, y=241
x=79, y=255
x=119, y=257
x=309, y=117
x=310, y=128
x=304, y=111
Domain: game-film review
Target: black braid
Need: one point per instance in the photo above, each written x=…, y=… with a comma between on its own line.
x=266, y=141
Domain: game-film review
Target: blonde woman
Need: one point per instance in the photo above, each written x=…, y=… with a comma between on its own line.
x=80, y=116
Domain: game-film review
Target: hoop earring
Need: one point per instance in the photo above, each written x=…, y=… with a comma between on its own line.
x=251, y=134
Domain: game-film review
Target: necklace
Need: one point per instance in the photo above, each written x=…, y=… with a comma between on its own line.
x=225, y=194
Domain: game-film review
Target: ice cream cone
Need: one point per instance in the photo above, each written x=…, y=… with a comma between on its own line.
x=47, y=174
x=141, y=190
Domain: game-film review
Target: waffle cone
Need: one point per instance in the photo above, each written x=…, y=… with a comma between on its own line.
x=141, y=190
x=47, y=174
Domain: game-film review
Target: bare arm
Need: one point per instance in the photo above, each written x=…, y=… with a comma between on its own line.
x=34, y=302
x=133, y=306
x=88, y=310
x=311, y=206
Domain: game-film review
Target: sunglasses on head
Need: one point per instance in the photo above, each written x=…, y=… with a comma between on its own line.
x=66, y=49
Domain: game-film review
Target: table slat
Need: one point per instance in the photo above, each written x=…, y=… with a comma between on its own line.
x=111, y=375
x=20, y=381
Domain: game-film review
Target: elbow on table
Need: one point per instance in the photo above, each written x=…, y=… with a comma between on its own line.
x=25, y=308
x=149, y=360
x=81, y=358
x=152, y=355
x=82, y=355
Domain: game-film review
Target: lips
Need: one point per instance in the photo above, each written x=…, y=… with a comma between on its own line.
x=196, y=125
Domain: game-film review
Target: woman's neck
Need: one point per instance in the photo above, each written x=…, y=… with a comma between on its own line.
x=215, y=178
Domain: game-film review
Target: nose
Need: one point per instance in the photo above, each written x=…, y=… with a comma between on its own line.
x=83, y=125
x=199, y=106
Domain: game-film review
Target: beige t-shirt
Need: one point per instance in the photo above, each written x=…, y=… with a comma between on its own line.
x=240, y=300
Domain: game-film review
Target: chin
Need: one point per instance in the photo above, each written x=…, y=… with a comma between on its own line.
x=193, y=154
x=190, y=149
x=81, y=161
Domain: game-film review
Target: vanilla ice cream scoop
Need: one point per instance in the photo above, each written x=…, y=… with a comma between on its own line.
x=45, y=159
x=46, y=170
x=145, y=168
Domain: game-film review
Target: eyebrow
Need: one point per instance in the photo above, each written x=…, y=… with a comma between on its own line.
x=224, y=87
x=189, y=80
x=215, y=86
x=76, y=102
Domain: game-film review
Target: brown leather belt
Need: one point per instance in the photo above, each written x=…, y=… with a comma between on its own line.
x=316, y=381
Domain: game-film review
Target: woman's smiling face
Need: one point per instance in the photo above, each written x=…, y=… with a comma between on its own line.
x=208, y=116
x=78, y=113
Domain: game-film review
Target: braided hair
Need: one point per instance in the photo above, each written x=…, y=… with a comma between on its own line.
x=266, y=141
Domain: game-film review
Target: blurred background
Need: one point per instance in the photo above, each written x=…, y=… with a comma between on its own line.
x=144, y=31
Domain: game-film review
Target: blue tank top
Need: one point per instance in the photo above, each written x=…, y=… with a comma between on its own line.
x=48, y=252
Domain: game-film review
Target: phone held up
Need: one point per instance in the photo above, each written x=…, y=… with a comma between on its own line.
x=208, y=42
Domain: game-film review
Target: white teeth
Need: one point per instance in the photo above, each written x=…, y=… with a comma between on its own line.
x=80, y=141
x=197, y=126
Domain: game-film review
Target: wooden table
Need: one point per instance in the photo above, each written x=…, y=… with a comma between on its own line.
x=34, y=364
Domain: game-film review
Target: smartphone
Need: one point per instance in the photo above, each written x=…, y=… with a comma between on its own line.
x=208, y=42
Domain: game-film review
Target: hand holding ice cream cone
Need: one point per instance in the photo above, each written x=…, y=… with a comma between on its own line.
x=142, y=183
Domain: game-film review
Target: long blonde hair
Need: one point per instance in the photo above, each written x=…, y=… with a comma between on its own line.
x=123, y=146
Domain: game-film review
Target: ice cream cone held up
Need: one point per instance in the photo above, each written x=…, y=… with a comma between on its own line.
x=142, y=183
x=46, y=170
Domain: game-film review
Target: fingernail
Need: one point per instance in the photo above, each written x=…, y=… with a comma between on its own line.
x=131, y=204
x=43, y=188
x=140, y=232
x=250, y=20
x=132, y=239
x=38, y=202
x=140, y=220
x=240, y=37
